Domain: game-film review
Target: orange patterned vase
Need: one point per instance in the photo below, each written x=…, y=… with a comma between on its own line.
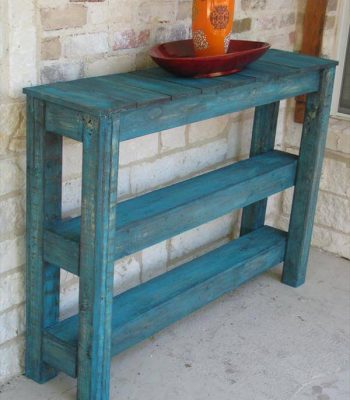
x=212, y=22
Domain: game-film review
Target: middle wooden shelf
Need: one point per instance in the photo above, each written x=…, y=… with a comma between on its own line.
x=156, y=216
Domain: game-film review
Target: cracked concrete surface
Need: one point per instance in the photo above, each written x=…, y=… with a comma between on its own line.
x=264, y=341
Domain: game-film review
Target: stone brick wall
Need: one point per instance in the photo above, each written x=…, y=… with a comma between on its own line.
x=49, y=40
x=332, y=223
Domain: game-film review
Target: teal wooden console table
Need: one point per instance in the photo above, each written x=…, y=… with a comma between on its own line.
x=101, y=112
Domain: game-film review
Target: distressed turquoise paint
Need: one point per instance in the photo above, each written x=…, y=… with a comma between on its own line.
x=101, y=112
x=99, y=198
x=307, y=181
x=179, y=207
x=263, y=140
x=150, y=307
x=44, y=171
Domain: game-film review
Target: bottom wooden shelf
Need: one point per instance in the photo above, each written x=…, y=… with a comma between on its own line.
x=146, y=309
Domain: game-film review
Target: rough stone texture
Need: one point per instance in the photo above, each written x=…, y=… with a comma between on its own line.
x=71, y=16
x=242, y=25
x=53, y=40
x=129, y=39
x=86, y=44
x=61, y=72
x=133, y=151
x=172, y=139
x=51, y=49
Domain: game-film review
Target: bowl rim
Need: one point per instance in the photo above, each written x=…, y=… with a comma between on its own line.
x=264, y=46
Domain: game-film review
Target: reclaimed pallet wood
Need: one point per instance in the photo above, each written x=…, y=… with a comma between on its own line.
x=98, y=218
x=188, y=110
x=44, y=171
x=156, y=216
x=312, y=148
x=263, y=140
x=150, y=307
x=77, y=94
x=103, y=111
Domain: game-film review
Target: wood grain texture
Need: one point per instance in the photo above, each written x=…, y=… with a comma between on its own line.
x=156, y=216
x=193, y=109
x=113, y=94
x=150, y=307
x=101, y=112
x=44, y=172
x=263, y=140
x=64, y=121
x=308, y=179
x=267, y=85
x=99, y=199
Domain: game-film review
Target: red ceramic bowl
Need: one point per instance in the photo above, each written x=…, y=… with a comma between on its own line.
x=178, y=58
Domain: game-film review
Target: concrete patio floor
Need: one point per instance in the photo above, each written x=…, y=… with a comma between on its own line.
x=264, y=341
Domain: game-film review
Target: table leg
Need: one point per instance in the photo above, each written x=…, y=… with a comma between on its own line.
x=99, y=198
x=263, y=140
x=44, y=178
x=307, y=181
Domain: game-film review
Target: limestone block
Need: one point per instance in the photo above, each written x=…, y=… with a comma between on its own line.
x=12, y=175
x=173, y=139
x=127, y=274
x=338, y=138
x=11, y=289
x=204, y=130
x=242, y=25
x=138, y=149
x=61, y=72
x=110, y=65
x=120, y=11
x=22, y=42
x=12, y=126
x=70, y=16
x=332, y=241
x=72, y=159
x=51, y=48
x=178, y=31
x=12, y=216
x=184, y=10
x=98, y=16
x=12, y=323
x=157, y=11
x=12, y=253
x=266, y=22
x=333, y=211
x=154, y=261
x=86, y=44
x=131, y=39
x=253, y=5
x=239, y=138
x=184, y=244
x=69, y=302
x=71, y=197
x=336, y=176
x=166, y=169
x=12, y=358
x=123, y=182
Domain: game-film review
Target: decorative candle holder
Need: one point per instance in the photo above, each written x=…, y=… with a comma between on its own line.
x=212, y=22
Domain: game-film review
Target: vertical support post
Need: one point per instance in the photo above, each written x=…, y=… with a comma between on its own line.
x=312, y=147
x=44, y=178
x=263, y=140
x=99, y=199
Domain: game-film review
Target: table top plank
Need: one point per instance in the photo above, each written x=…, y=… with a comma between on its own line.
x=303, y=62
x=205, y=85
x=119, y=92
x=174, y=90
